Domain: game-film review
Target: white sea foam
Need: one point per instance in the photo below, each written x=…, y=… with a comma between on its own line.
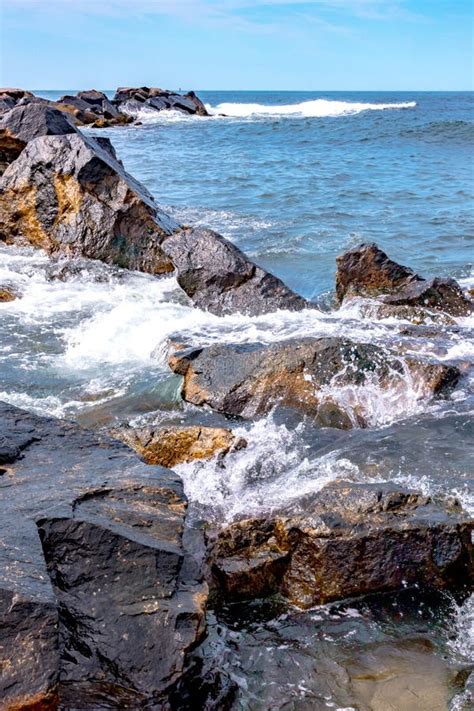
x=317, y=108
x=271, y=471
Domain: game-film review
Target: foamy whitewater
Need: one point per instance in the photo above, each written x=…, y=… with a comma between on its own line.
x=294, y=179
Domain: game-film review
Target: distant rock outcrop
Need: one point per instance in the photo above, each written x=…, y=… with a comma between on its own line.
x=132, y=99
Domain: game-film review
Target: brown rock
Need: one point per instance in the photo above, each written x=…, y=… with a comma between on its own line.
x=169, y=446
x=345, y=541
x=248, y=380
x=7, y=294
x=367, y=271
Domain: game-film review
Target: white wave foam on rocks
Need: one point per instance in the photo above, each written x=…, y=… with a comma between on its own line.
x=256, y=480
x=315, y=108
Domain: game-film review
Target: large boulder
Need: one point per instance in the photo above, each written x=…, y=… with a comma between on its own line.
x=248, y=380
x=366, y=271
x=96, y=586
x=218, y=277
x=91, y=107
x=345, y=541
x=169, y=446
x=69, y=194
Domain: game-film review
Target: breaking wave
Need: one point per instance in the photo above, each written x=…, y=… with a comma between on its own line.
x=315, y=108
x=306, y=109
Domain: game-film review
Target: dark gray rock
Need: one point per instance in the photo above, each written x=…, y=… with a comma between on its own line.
x=345, y=541
x=134, y=98
x=367, y=271
x=248, y=380
x=96, y=585
x=69, y=195
x=218, y=276
x=25, y=122
x=32, y=120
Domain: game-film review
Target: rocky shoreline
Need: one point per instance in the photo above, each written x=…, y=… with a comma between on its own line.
x=106, y=590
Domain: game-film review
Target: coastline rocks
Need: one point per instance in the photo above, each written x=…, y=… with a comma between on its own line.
x=92, y=108
x=344, y=541
x=169, y=446
x=96, y=585
x=367, y=271
x=219, y=278
x=248, y=380
x=69, y=194
x=132, y=99
x=10, y=97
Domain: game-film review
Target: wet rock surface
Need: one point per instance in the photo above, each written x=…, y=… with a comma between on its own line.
x=367, y=271
x=345, y=541
x=169, y=446
x=218, y=276
x=248, y=380
x=69, y=194
x=96, y=586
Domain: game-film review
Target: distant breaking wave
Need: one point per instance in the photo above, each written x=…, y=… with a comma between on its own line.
x=314, y=108
x=317, y=108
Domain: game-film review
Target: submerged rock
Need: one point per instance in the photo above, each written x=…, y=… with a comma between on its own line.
x=70, y=195
x=248, y=380
x=367, y=271
x=133, y=98
x=7, y=293
x=344, y=541
x=96, y=585
x=218, y=276
x=169, y=446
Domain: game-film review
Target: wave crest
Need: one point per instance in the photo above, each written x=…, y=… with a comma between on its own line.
x=306, y=109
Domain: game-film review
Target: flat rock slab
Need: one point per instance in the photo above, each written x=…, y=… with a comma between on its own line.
x=248, y=380
x=96, y=586
x=345, y=541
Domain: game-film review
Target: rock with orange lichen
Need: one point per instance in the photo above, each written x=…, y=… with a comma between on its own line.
x=7, y=293
x=70, y=195
x=169, y=446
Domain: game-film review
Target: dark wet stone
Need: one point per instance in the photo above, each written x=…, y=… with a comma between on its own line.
x=96, y=585
x=218, y=276
x=367, y=271
x=248, y=380
x=345, y=541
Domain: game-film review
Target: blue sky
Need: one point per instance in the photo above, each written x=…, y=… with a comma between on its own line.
x=238, y=44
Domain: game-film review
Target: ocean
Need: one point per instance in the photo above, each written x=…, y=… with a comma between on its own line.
x=294, y=179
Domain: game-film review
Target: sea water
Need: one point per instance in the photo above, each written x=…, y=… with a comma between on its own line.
x=293, y=179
